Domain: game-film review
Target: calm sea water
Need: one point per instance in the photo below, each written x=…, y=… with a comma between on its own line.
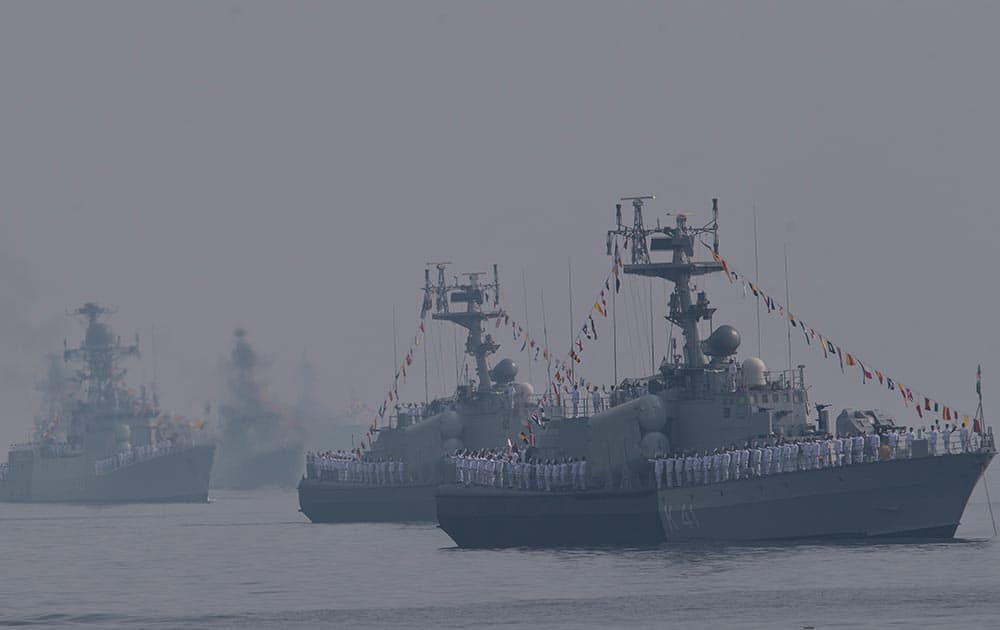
x=250, y=560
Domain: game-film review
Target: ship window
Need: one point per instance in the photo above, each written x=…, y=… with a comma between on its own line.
x=725, y=412
x=786, y=398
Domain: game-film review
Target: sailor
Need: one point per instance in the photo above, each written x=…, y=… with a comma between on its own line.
x=755, y=460
x=706, y=467
x=657, y=462
x=947, y=440
x=893, y=443
x=595, y=398
x=575, y=397
x=824, y=453
x=859, y=449
x=765, y=460
x=668, y=471
x=583, y=473
x=716, y=466
x=934, y=440
x=727, y=462
x=963, y=435
x=679, y=470
x=875, y=441
x=732, y=375
x=402, y=471
x=909, y=443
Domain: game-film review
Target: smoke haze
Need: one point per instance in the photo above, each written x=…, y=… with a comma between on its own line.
x=290, y=167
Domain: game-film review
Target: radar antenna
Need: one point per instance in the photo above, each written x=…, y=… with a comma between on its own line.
x=679, y=240
x=474, y=294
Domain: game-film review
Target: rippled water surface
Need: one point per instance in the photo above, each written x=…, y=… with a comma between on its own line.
x=251, y=560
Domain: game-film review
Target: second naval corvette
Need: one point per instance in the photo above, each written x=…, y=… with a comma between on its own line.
x=483, y=412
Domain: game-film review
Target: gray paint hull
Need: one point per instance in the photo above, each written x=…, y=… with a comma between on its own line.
x=177, y=477
x=917, y=497
x=334, y=502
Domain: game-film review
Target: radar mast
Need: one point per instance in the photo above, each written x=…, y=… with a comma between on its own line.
x=99, y=356
x=474, y=293
x=685, y=312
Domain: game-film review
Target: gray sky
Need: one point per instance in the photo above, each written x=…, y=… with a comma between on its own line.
x=289, y=167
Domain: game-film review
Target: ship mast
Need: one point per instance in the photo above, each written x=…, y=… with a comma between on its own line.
x=474, y=294
x=100, y=354
x=685, y=312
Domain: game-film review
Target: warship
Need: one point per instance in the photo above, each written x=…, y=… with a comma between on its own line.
x=483, y=411
x=98, y=441
x=261, y=443
x=701, y=408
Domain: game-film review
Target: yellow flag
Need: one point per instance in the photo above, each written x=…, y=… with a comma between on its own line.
x=599, y=308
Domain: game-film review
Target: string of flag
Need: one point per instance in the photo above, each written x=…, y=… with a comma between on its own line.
x=565, y=373
x=392, y=395
x=923, y=404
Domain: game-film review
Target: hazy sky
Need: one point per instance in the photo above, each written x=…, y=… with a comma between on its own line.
x=290, y=167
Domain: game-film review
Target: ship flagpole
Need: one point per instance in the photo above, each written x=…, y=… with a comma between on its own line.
x=427, y=397
x=569, y=268
x=395, y=359
x=545, y=339
x=652, y=337
x=614, y=337
x=756, y=273
x=788, y=320
x=527, y=325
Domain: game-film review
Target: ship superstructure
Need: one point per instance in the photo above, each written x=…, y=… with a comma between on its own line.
x=97, y=440
x=703, y=411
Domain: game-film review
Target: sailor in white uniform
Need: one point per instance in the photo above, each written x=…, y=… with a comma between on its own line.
x=859, y=449
x=893, y=443
x=595, y=398
x=765, y=460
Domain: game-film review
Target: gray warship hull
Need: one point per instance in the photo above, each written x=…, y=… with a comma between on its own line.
x=280, y=467
x=922, y=497
x=335, y=502
x=177, y=477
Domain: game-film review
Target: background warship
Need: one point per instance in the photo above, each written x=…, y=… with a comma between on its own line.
x=97, y=441
x=698, y=401
x=482, y=413
x=261, y=443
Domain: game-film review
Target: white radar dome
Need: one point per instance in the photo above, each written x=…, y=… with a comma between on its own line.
x=753, y=372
